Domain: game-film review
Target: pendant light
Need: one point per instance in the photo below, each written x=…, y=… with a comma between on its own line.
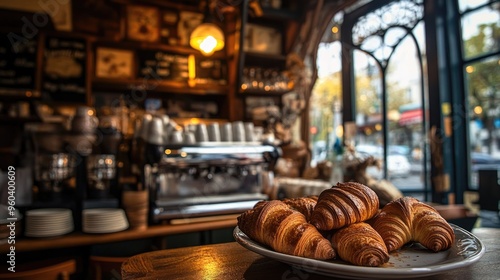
x=207, y=37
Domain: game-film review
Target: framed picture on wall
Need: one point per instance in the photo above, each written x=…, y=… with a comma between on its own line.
x=112, y=63
x=143, y=23
x=168, y=27
x=188, y=21
x=262, y=39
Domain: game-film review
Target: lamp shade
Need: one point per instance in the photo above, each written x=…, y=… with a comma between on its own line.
x=207, y=38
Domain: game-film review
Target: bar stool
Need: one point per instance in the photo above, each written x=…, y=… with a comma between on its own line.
x=43, y=270
x=105, y=267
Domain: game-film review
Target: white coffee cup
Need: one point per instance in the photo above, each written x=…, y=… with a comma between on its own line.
x=189, y=138
x=214, y=132
x=249, y=127
x=238, y=131
x=201, y=132
x=155, y=132
x=226, y=132
x=176, y=137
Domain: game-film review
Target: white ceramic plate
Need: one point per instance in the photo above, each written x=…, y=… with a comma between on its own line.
x=105, y=230
x=411, y=261
x=47, y=212
x=48, y=233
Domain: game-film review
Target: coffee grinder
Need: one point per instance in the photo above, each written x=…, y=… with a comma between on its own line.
x=101, y=170
x=53, y=166
x=54, y=177
x=54, y=170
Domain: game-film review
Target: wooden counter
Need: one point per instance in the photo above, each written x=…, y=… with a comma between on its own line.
x=232, y=261
x=77, y=239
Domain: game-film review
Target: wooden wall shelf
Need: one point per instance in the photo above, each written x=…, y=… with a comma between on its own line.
x=136, y=45
x=255, y=92
x=158, y=86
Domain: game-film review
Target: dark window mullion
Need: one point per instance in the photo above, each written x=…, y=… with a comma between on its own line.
x=468, y=11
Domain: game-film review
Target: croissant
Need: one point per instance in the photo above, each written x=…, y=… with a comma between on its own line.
x=285, y=230
x=360, y=244
x=407, y=219
x=304, y=205
x=344, y=204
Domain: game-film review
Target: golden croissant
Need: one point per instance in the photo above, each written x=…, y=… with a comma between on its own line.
x=360, y=244
x=407, y=219
x=344, y=204
x=304, y=205
x=277, y=225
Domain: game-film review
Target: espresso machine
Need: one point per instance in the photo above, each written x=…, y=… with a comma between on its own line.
x=207, y=179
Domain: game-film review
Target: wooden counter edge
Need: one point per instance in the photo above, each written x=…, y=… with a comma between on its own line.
x=77, y=239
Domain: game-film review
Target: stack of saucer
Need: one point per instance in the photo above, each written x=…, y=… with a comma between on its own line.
x=48, y=222
x=104, y=220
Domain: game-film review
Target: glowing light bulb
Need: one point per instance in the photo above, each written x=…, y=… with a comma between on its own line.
x=478, y=110
x=208, y=45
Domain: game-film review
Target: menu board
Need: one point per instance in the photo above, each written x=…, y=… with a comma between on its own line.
x=64, y=69
x=17, y=62
x=162, y=65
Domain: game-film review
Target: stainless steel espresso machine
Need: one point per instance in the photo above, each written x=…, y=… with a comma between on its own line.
x=203, y=179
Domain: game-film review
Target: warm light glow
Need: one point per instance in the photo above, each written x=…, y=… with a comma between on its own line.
x=208, y=44
x=478, y=110
x=168, y=151
x=313, y=130
x=393, y=115
x=378, y=127
x=469, y=69
x=183, y=154
x=191, y=67
x=335, y=29
x=194, y=121
x=207, y=38
x=90, y=112
x=340, y=131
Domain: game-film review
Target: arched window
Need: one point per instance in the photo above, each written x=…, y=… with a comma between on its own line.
x=415, y=84
x=383, y=100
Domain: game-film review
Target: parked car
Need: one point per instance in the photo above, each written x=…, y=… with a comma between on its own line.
x=319, y=151
x=400, y=150
x=398, y=165
x=481, y=161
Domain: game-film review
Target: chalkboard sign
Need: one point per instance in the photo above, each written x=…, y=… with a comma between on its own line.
x=17, y=62
x=64, y=69
x=162, y=65
x=210, y=71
